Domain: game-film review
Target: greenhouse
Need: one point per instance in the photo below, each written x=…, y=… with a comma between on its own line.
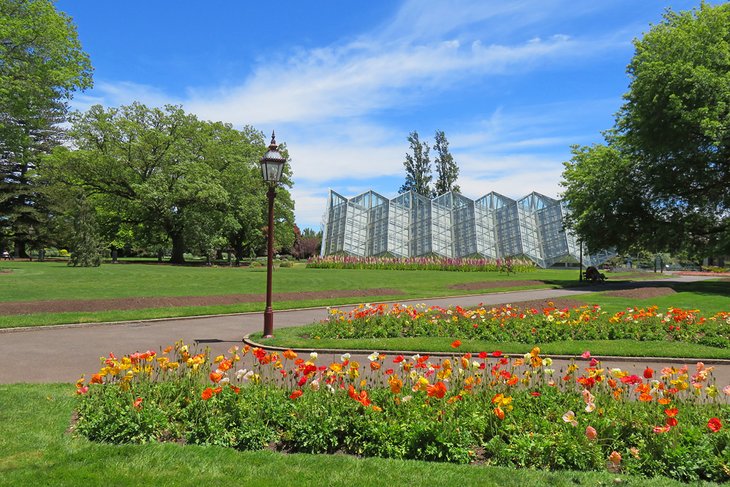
x=451, y=225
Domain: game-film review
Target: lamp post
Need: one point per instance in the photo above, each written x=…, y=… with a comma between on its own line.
x=272, y=167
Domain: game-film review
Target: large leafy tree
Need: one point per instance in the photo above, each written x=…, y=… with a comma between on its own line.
x=165, y=173
x=41, y=65
x=418, y=167
x=663, y=181
x=447, y=172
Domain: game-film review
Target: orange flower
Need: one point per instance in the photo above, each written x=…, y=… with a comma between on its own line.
x=645, y=397
x=456, y=344
x=615, y=458
x=437, y=390
x=591, y=433
x=137, y=403
x=671, y=412
x=96, y=379
x=499, y=413
x=290, y=354
x=395, y=384
x=374, y=365
x=296, y=394
x=216, y=377
x=207, y=393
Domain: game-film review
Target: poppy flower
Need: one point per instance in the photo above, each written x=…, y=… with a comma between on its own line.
x=499, y=413
x=497, y=353
x=290, y=354
x=671, y=412
x=437, y=390
x=714, y=424
x=591, y=433
x=207, y=394
x=216, y=377
x=672, y=422
x=296, y=394
x=456, y=344
x=615, y=458
x=138, y=403
x=648, y=373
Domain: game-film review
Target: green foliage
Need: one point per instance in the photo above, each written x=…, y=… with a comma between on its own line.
x=663, y=181
x=41, y=64
x=418, y=167
x=86, y=246
x=516, y=325
x=161, y=175
x=447, y=172
x=497, y=410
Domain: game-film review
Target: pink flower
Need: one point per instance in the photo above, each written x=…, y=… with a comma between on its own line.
x=591, y=433
x=586, y=354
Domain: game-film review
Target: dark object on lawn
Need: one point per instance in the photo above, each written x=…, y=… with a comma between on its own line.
x=593, y=275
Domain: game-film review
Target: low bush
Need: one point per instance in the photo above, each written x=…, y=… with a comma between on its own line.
x=486, y=408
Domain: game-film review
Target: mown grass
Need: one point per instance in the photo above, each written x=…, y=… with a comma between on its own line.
x=33, y=281
x=35, y=449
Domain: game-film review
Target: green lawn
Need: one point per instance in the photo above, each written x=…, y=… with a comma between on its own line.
x=31, y=281
x=35, y=449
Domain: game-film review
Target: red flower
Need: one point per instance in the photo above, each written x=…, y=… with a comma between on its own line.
x=535, y=394
x=672, y=422
x=437, y=390
x=648, y=373
x=671, y=412
x=483, y=355
x=138, y=403
x=296, y=394
x=398, y=359
x=714, y=424
x=456, y=344
x=207, y=394
x=496, y=353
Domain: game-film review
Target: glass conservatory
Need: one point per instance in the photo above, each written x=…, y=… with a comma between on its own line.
x=451, y=225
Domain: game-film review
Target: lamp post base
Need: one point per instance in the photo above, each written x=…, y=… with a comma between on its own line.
x=269, y=323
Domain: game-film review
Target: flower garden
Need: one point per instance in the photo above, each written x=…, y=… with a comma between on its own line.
x=509, y=323
x=507, y=265
x=485, y=408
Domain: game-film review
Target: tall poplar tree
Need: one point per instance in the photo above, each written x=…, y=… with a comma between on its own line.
x=447, y=171
x=418, y=167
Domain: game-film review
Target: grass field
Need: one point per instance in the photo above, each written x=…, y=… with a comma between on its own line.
x=33, y=281
x=35, y=449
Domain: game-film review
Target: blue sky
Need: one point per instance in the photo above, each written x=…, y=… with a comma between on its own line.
x=512, y=83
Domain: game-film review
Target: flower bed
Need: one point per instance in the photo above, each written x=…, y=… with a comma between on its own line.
x=481, y=408
x=507, y=265
x=513, y=324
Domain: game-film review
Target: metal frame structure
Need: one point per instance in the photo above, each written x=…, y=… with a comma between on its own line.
x=452, y=226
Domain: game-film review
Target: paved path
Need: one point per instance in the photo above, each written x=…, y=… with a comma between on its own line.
x=63, y=353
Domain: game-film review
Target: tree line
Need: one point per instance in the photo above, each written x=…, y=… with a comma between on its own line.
x=122, y=177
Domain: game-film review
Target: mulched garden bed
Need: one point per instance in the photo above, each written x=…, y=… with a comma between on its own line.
x=475, y=286
x=87, y=305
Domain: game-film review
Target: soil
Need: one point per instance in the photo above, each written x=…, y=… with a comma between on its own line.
x=641, y=292
x=90, y=305
x=475, y=286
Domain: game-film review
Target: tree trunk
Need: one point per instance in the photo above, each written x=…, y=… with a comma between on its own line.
x=178, y=248
x=238, y=248
x=20, y=249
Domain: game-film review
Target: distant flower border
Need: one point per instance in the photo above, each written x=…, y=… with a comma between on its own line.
x=506, y=265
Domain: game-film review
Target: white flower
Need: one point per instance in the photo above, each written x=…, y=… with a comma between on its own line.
x=314, y=385
x=590, y=407
x=415, y=357
x=373, y=356
x=406, y=398
x=224, y=380
x=475, y=364
x=527, y=356
x=330, y=388
x=313, y=355
x=569, y=417
x=547, y=361
x=344, y=357
x=549, y=371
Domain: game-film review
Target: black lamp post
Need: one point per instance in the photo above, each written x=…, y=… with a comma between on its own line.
x=272, y=167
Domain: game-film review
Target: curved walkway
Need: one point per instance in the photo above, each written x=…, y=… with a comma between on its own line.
x=63, y=353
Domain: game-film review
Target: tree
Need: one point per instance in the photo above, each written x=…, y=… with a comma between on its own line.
x=41, y=64
x=418, y=167
x=670, y=144
x=308, y=243
x=446, y=169
x=86, y=246
x=165, y=172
